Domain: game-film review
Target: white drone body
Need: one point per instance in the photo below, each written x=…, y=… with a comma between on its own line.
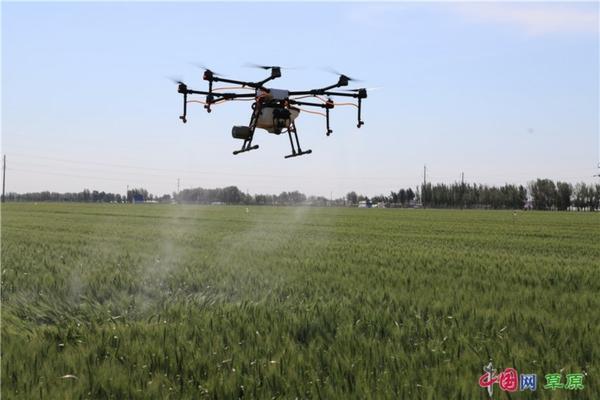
x=265, y=118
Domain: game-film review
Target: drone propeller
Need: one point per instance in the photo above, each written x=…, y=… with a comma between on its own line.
x=176, y=81
x=333, y=71
x=267, y=67
x=205, y=68
x=181, y=88
x=358, y=90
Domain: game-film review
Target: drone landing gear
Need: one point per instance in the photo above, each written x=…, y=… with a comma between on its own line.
x=247, y=132
x=298, y=152
x=246, y=147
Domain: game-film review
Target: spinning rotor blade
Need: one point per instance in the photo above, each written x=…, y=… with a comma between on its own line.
x=205, y=68
x=175, y=80
x=358, y=90
x=181, y=87
x=267, y=67
x=333, y=71
x=252, y=65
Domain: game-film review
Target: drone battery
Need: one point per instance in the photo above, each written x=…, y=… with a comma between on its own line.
x=240, y=132
x=279, y=94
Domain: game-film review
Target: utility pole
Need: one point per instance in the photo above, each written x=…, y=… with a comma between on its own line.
x=462, y=188
x=3, y=176
x=177, y=185
x=424, y=184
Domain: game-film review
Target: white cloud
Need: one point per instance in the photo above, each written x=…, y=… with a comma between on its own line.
x=535, y=18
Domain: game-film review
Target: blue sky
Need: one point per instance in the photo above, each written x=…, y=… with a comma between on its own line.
x=504, y=92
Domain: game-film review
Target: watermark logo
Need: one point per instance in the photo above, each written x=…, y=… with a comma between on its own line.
x=509, y=380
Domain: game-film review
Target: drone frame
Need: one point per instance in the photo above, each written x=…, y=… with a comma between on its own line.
x=213, y=96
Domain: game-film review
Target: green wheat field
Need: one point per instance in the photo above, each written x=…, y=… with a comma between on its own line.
x=186, y=302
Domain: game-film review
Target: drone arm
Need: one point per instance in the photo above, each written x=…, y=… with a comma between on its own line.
x=343, y=81
x=210, y=98
x=323, y=92
x=191, y=91
x=312, y=92
x=275, y=73
x=254, y=85
x=327, y=106
x=261, y=83
x=226, y=96
x=337, y=85
x=360, y=94
x=357, y=95
x=306, y=103
x=241, y=83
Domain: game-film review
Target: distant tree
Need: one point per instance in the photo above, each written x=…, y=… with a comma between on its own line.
x=137, y=194
x=563, y=195
x=543, y=193
x=318, y=201
x=595, y=197
x=296, y=197
x=410, y=195
x=380, y=199
x=522, y=199
x=283, y=198
x=427, y=195
x=581, y=195
x=352, y=197
x=402, y=196
x=263, y=199
x=231, y=195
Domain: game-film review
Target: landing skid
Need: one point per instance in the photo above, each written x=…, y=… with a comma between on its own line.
x=245, y=148
x=298, y=154
x=296, y=150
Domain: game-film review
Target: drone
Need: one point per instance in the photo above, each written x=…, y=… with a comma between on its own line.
x=274, y=110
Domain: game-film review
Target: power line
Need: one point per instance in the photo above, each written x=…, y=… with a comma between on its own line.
x=191, y=173
x=71, y=175
x=198, y=172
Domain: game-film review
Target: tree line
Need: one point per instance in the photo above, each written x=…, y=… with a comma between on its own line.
x=88, y=196
x=541, y=194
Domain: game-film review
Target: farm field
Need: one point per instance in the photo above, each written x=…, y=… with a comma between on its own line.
x=218, y=302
